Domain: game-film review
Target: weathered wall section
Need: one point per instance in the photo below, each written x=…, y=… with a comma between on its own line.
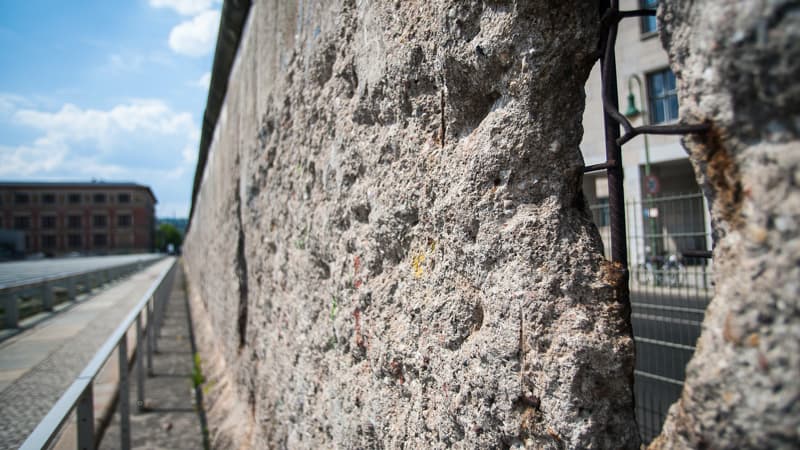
x=390, y=247
x=738, y=64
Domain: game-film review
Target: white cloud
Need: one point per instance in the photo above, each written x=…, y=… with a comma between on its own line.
x=189, y=154
x=43, y=155
x=118, y=63
x=132, y=61
x=195, y=37
x=10, y=102
x=184, y=7
x=202, y=82
x=73, y=124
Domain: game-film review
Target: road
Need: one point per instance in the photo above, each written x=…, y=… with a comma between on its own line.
x=666, y=325
x=14, y=272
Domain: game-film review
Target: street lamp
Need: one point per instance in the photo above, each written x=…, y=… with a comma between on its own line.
x=631, y=113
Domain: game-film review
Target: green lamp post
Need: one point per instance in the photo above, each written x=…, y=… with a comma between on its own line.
x=632, y=112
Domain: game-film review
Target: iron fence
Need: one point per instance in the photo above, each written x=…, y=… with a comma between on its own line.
x=670, y=288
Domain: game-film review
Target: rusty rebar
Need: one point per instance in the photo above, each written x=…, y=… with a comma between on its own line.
x=614, y=173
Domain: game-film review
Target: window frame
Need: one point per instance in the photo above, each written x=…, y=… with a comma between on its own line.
x=664, y=97
x=71, y=225
x=48, y=196
x=129, y=221
x=27, y=220
x=44, y=242
x=74, y=240
x=74, y=198
x=95, y=221
x=18, y=196
x=48, y=226
x=99, y=198
x=645, y=21
x=104, y=237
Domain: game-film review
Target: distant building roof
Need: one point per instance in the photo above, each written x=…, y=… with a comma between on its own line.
x=77, y=185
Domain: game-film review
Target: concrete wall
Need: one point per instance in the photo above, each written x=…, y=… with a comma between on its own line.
x=738, y=64
x=390, y=247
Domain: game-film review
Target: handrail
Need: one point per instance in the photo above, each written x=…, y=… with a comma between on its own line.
x=80, y=392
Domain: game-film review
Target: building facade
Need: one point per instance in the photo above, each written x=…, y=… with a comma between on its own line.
x=666, y=214
x=87, y=218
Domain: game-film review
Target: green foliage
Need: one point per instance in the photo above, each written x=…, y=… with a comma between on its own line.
x=197, y=371
x=168, y=234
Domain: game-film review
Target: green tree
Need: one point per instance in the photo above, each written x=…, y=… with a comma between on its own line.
x=168, y=234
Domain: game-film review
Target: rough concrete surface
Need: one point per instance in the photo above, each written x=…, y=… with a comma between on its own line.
x=738, y=65
x=390, y=248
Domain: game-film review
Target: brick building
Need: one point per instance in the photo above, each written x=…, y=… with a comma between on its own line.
x=91, y=218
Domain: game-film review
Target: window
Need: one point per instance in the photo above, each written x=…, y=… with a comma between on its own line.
x=74, y=222
x=649, y=23
x=601, y=212
x=99, y=221
x=21, y=198
x=74, y=241
x=48, y=241
x=48, y=221
x=99, y=198
x=74, y=199
x=48, y=199
x=22, y=222
x=100, y=240
x=124, y=220
x=124, y=198
x=663, y=96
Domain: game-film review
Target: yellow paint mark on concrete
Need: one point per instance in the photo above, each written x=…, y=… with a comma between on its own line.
x=417, y=265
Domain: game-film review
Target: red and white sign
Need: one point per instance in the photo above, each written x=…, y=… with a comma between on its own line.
x=652, y=185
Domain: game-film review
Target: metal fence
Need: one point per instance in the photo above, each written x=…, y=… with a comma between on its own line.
x=669, y=290
x=146, y=318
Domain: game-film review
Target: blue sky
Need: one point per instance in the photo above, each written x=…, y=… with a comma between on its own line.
x=108, y=89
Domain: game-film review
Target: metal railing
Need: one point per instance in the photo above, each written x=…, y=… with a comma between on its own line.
x=669, y=291
x=80, y=397
x=73, y=283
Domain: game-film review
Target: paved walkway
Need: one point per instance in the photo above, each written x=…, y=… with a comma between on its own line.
x=38, y=365
x=172, y=420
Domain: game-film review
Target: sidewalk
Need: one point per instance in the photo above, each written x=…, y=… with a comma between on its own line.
x=38, y=365
x=172, y=418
